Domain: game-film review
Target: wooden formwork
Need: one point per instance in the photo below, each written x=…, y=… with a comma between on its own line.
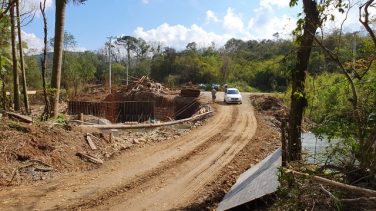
x=126, y=111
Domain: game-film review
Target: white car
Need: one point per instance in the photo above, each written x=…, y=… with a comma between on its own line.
x=232, y=95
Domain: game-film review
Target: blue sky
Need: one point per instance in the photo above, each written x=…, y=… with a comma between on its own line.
x=174, y=23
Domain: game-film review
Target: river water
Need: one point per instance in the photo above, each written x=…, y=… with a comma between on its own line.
x=311, y=144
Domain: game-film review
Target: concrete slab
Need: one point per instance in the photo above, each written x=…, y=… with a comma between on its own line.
x=115, y=132
x=258, y=181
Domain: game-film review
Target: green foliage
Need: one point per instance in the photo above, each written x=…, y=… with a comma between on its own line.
x=298, y=95
x=330, y=105
x=51, y=91
x=33, y=74
x=284, y=177
x=242, y=86
x=61, y=119
x=172, y=81
x=78, y=70
x=327, y=96
x=337, y=203
x=43, y=117
x=293, y=3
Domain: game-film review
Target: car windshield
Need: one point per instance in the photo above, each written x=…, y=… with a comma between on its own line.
x=232, y=92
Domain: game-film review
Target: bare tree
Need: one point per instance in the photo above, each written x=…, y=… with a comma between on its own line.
x=47, y=109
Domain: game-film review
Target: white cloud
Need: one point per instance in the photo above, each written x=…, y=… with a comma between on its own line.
x=232, y=23
x=30, y=5
x=36, y=45
x=264, y=26
x=179, y=36
x=279, y=3
x=145, y=1
x=352, y=21
x=211, y=16
x=33, y=42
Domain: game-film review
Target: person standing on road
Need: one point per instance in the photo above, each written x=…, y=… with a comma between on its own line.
x=213, y=94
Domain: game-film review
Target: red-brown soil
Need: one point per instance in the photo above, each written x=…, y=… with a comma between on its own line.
x=162, y=169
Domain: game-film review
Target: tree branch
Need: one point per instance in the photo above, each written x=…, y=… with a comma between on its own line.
x=10, y=5
x=346, y=200
x=366, y=19
x=331, y=182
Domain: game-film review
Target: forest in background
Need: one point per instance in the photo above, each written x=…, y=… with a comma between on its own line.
x=337, y=93
x=252, y=65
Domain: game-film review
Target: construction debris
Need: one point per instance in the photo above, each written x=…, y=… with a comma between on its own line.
x=20, y=117
x=90, y=142
x=90, y=158
x=190, y=92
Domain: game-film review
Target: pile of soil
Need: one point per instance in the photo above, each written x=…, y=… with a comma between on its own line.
x=42, y=150
x=272, y=109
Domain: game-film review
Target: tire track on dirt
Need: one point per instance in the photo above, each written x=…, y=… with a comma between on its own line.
x=129, y=164
x=172, y=169
x=61, y=192
x=142, y=178
x=180, y=189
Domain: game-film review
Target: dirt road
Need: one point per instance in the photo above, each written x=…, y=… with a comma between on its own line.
x=166, y=175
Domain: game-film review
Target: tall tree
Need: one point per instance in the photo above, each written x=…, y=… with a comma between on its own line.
x=5, y=53
x=47, y=108
x=58, y=51
x=130, y=45
x=16, y=95
x=26, y=99
x=298, y=75
x=142, y=48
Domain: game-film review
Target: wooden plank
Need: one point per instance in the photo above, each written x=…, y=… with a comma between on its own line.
x=90, y=158
x=90, y=142
x=28, y=92
x=258, y=181
x=22, y=118
x=190, y=92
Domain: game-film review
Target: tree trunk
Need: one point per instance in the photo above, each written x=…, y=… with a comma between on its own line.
x=3, y=87
x=5, y=11
x=26, y=100
x=129, y=56
x=58, y=53
x=16, y=95
x=298, y=95
x=47, y=110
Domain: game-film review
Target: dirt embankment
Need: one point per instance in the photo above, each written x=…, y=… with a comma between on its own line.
x=157, y=170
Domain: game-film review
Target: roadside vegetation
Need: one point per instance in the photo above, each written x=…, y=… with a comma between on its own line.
x=338, y=92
